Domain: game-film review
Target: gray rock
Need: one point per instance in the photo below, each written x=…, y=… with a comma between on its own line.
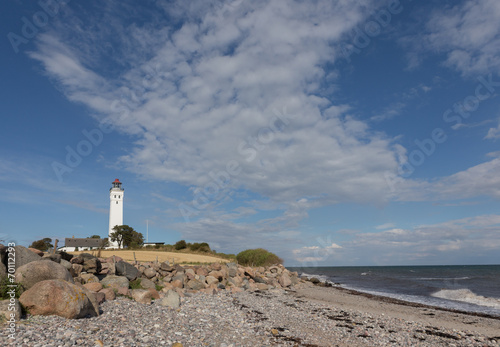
x=146, y=283
x=171, y=299
x=54, y=257
x=128, y=270
x=149, y=272
x=165, y=266
x=232, y=269
x=30, y=274
x=195, y=284
x=114, y=281
x=66, y=264
x=24, y=256
x=211, y=280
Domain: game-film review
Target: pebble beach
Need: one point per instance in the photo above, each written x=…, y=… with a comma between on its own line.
x=306, y=315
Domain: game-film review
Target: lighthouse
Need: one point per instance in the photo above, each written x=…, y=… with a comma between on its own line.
x=115, y=209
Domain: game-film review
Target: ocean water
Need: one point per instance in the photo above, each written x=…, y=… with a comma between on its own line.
x=471, y=288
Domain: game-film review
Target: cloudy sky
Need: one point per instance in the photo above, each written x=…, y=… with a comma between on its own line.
x=330, y=132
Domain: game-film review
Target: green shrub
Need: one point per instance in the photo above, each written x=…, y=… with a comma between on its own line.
x=135, y=284
x=180, y=245
x=5, y=289
x=258, y=257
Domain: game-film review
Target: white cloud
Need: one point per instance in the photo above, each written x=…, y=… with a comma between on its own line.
x=466, y=33
x=493, y=133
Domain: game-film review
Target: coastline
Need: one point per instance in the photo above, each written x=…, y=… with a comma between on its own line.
x=342, y=298
x=304, y=315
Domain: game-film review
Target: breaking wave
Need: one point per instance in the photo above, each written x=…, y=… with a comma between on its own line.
x=465, y=295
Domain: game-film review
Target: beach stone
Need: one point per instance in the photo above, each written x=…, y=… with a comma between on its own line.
x=195, y=284
x=217, y=274
x=36, y=251
x=216, y=266
x=284, y=280
x=314, y=280
x=123, y=291
x=54, y=257
x=146, y=284
x=61, y=298
x=23, y=256
x=177, y=284
x=149, y=272
x=41, y=270
x=89, y=278
x=142, y=296
x=211, y=280
x=76, y=270
x=109, y=293
x=5, y=313
x=66, y=264
x=128, y=270
x=93, y=286
x=99, y=297
x=154, y=293
x=114, y=281
x=179, y=277
x=201, y=271
x=232, y=269
x=66, y=256
x=165, y=266
x=171, y=299
x=262, y=286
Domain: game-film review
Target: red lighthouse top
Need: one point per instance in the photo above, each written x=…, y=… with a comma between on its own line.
x=117, y=184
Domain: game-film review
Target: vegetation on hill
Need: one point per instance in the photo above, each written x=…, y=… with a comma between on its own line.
x=43, y=244
x=258, y=257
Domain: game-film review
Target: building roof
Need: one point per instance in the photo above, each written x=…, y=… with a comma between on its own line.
x=87, y=242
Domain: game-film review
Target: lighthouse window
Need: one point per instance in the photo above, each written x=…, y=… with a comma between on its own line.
x=115, y=196
x=117, y=202
x=119, y=196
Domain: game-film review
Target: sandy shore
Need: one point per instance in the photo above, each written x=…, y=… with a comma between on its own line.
x=390, y=308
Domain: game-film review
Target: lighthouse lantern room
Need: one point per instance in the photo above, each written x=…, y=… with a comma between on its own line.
x=115, y=209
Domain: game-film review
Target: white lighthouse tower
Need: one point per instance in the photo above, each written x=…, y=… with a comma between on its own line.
x=115, y=209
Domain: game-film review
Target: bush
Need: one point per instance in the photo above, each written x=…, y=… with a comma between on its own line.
x=258, y=257
x=180, y=245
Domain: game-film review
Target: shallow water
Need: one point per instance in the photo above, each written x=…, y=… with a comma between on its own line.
x=471, y=288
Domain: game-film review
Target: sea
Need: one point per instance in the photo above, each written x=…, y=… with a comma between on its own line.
x=470, y=288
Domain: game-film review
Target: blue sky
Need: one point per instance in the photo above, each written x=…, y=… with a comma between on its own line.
x=332, y=133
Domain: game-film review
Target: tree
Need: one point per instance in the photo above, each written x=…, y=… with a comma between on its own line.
x=43, y=244
x=95, y=237
x=123, y=234
x=180, y=245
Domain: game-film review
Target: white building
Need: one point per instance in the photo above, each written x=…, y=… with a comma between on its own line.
x=115, y=209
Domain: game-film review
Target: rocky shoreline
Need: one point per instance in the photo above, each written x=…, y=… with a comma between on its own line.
x=152, y=304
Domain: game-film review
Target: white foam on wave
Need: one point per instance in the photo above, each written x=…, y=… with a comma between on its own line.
x=465, y=295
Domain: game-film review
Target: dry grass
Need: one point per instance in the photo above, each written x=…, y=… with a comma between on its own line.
x=172, y=257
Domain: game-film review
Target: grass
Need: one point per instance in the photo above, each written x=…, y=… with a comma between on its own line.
x=153, y=254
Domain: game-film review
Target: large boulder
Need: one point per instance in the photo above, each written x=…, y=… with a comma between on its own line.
x=65, y=256
x=24, y=256
x=284, y=280
x=114, y=281
x=171, y=299
x=30, y=274
x=61, y=298
x=128, y=270
x=195, y=284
